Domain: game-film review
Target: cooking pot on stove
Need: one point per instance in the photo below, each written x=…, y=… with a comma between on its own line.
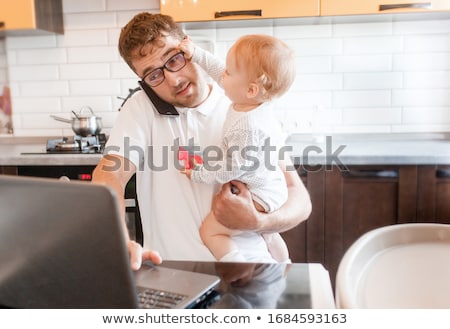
x=83, y=124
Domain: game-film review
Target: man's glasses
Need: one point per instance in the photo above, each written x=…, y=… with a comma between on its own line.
x=174, y=64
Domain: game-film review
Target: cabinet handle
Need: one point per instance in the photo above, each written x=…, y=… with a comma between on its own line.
x=371, y=173
x=420, y=5
x=219, y=14
x=302, y=172
x=443, y=173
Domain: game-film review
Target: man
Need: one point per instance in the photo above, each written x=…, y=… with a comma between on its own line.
x=146, y=143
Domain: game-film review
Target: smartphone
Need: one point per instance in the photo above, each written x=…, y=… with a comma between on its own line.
x=161, y=106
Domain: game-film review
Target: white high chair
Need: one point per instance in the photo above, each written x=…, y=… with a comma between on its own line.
x=398, y=266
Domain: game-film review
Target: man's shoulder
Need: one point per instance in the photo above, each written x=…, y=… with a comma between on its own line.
x=137, y=105
x=137, y=98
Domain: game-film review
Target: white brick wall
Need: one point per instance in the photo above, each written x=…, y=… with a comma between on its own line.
x=389, y=76
x=5, y=120
x=3, y=65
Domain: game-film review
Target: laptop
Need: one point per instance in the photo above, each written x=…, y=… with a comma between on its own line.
x=62, y=245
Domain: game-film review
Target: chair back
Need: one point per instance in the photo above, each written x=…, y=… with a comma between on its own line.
x=397, y=266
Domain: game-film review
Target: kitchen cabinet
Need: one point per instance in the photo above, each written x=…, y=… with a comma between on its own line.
x=359, y=7
x=306, y=241
x=8, y=170
x=22, y=17
x=433, y=203
x=210, y=10
x=348, y=203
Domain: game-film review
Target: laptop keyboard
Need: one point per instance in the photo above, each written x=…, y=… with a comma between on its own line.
x=153, y=298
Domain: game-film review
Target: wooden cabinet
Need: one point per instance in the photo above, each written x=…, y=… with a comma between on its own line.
x=8, y=170
x=20, y=17
x=433, y=203
x=355, y=7
x=306, y=241
x=216, y=10
x=348, y=203
x=210, y=10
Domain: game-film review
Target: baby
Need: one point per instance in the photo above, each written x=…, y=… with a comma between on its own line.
x=258, y=69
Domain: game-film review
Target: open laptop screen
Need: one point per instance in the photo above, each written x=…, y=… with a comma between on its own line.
x=61, y=245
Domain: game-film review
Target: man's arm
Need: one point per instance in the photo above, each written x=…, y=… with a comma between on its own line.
x=237, y=211
x=111, y=171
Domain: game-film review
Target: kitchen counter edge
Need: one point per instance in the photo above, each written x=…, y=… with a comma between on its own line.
x=304, y=149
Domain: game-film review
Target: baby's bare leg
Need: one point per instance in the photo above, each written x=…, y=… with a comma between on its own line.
x=218, y=239
x=275, y=243
x=277, y=247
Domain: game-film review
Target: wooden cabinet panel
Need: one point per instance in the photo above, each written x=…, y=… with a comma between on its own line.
x=208, y=10
x=295, y=238
x=31, y=16
x=306, y=241
x=355, y=7
x=315, y=226
x=13, y=18
x=370, y=198
x=443, y=195
x=8, y=170
x=433, y=203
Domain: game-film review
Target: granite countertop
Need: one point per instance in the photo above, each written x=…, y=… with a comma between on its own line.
x=371, y=149
x=346, y=149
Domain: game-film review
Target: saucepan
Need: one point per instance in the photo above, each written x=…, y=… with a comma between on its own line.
x=83, y=124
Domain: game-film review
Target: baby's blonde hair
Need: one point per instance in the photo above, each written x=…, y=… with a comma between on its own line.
x=267, y=60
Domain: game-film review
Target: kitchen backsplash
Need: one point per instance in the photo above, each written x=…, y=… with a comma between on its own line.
x=378, y=76
x=3, y=64
x=5, y=95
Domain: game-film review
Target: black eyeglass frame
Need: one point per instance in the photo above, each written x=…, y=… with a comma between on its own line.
x=164, y=67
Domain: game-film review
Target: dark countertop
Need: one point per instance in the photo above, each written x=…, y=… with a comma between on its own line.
x=268, y=286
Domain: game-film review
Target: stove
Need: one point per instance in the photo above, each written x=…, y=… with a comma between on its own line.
x=77, y=145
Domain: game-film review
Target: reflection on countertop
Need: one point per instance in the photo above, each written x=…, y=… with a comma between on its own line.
x=265, y=285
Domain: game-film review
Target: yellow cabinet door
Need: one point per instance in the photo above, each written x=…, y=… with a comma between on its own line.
x=355, y=7
x=209, y=10
x=17, y=14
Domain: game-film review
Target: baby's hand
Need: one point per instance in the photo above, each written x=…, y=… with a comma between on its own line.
x=187, y=172
x=187, y=46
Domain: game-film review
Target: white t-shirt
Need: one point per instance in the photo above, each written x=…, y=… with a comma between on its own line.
x=172, y=207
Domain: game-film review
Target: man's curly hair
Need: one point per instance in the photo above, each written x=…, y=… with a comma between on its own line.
x=146, y=29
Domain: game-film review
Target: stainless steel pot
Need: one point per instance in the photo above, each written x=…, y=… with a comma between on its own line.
x=83, y=125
